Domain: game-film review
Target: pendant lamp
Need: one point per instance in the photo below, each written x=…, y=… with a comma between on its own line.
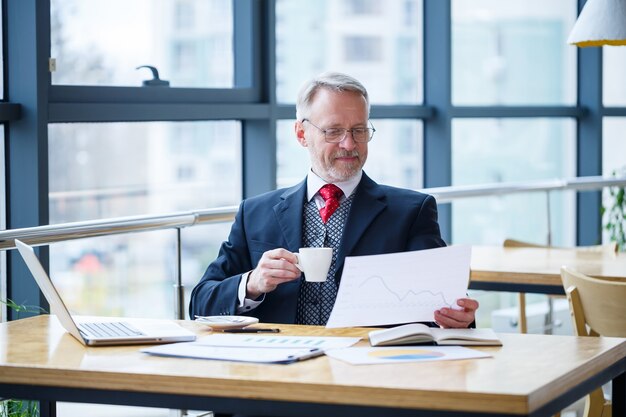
x=601, y=22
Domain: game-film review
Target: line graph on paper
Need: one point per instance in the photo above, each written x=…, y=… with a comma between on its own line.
x=400, y=287
x=431, y=297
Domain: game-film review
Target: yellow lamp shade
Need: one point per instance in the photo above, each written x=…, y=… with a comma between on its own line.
x=601, y=22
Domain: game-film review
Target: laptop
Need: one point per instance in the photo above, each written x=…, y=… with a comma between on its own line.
x=101, y=332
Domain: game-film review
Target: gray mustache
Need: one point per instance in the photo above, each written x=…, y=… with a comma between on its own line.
x=346, y=154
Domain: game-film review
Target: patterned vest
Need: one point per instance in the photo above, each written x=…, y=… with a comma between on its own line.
x=316, y=299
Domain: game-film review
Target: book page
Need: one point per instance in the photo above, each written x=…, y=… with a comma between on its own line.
x=400, y=287
x=466, y=336
x=396, y=335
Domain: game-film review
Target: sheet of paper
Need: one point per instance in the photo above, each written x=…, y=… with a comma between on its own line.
x=400, y=287
x=253, y=348
x=237, y=354
x=276, y=341
x=369, y=355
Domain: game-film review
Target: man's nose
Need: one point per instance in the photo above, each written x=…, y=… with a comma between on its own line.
x=348, y=142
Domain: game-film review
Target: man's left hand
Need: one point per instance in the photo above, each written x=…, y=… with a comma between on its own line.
x=449, y=318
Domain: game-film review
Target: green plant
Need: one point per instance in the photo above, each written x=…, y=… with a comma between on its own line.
x=613, y=213
x=22, y=308
x=19, y=408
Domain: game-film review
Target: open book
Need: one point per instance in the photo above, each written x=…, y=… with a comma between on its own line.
x=416, y=333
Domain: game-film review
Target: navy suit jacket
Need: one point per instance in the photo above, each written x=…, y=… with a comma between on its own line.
x=382, y=219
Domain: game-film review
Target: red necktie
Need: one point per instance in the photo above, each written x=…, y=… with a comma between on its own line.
x=331, y=195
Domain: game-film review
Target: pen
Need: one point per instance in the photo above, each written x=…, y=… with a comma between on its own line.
x=251, y=330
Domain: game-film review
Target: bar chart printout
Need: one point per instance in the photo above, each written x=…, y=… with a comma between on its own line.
x=400, y=287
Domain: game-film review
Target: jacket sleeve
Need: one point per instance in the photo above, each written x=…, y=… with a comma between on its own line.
x=216, y=293
x=425, y=232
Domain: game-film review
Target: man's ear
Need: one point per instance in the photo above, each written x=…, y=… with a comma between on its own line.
x=299, y=129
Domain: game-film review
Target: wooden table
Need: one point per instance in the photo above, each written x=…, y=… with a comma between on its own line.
x=531, y=375
x=538, y=270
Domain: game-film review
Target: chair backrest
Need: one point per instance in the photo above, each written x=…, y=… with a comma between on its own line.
x=607, y=248
x=598, y=306
x=513, y=243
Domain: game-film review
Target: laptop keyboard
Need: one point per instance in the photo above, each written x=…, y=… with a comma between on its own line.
x=109, y=329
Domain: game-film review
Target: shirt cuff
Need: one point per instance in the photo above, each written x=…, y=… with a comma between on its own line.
x=246, y=304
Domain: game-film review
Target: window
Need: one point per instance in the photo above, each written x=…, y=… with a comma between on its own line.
x=3, y=226
x=487, y=151
x=363, y=7
x=184, y=12
x=95, y=44
x=383, y=50
x=123, y=169
x=613, y=161
x=614, y=84
x=362, y=49
x=513, y=53
x=1, y=53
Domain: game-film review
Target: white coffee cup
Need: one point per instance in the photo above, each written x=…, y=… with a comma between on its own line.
x=315, y=263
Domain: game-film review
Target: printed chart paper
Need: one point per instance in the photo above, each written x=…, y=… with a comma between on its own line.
x=253, y=348
x=276, y=341
x=400, y=287
x=369, y=355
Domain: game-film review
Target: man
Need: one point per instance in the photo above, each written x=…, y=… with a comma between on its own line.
x=255, y=272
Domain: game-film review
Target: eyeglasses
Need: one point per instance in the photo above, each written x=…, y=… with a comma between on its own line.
x=338, y=134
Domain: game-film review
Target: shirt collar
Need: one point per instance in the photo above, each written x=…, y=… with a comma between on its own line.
x=314, y=183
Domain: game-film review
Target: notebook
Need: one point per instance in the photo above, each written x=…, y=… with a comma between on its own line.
x=101, y=332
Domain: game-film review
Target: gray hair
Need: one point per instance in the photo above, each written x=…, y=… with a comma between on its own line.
x=331, y=80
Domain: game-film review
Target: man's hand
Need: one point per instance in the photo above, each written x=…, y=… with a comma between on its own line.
x=275, y=267
x=450, y=318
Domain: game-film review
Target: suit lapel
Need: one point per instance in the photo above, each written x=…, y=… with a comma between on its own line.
x=288, y=214
x=369, y=201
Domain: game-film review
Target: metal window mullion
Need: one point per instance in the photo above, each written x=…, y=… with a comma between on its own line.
x=145, y=112
x=518, y=111
x=28, y=47
x=10, y=111
x=438, y=95
x=589, y=142
x=259, y=145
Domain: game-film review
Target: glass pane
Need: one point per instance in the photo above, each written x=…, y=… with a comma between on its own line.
x=613, y=144
x=107, y=170
x=487, y=151
x=379, y=43
x=613, y=162
x=395, y=154
x=613, y=80
x=1, y=52
x=513, y=52
x=132, y=275
x=3, y=205
x=127, y=275
x=3, y=226
x=190, y=42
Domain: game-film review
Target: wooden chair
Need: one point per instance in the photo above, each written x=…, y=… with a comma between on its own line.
x=598, y=309
x=513, y=243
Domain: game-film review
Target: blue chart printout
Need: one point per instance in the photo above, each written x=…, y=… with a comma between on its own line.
x=253, y=348
x=400, y=287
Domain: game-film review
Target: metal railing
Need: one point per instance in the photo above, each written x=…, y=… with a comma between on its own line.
x=42, y=235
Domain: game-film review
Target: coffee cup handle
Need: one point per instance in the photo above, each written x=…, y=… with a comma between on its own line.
x=298, y=263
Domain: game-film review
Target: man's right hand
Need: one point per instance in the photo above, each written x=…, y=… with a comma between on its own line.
x=275, y=267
